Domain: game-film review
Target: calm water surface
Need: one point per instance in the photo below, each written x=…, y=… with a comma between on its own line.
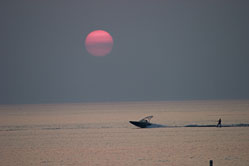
x=99, y=134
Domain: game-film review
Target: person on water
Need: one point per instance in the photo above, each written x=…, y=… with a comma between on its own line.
x=219, y=123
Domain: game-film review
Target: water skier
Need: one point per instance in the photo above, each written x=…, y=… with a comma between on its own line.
x=219, y=123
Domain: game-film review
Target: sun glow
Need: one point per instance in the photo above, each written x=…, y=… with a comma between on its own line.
x=99, y=43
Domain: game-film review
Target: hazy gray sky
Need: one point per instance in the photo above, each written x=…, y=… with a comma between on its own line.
x=163, y=50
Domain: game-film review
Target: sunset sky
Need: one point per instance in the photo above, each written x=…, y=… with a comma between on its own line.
x=162, y=50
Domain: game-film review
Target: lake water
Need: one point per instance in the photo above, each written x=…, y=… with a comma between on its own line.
x=100, y=134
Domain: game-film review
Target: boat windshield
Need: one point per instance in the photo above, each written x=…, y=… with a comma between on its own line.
x=146, y=119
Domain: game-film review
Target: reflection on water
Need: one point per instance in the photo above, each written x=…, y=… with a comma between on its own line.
x=184, y=133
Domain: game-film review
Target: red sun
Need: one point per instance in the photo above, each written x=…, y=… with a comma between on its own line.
x=99, y=43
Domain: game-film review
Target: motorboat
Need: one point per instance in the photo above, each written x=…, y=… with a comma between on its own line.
x=143, y=123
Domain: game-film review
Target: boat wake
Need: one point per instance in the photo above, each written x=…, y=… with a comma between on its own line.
x=145, y=123
x=153, y=125
x=196, y=125
x=225, y=125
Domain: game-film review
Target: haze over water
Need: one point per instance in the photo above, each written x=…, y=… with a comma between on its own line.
x=100, y=134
